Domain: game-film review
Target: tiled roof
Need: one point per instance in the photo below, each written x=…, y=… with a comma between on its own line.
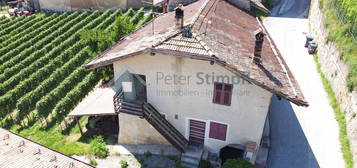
x=19, y=152
x=183, y=44
x=222, y=33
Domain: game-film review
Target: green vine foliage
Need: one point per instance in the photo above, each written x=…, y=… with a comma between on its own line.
x=41, y=67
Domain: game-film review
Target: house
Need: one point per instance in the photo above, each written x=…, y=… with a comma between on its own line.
x=202, y=76
x=18, y=151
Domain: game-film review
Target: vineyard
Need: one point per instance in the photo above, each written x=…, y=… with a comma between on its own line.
x=41, y=69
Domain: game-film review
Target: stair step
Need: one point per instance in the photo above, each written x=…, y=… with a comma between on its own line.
x=191, y=156
x=188, y=165
x=190, y=160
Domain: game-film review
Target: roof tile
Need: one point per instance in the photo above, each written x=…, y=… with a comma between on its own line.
x=221, y=32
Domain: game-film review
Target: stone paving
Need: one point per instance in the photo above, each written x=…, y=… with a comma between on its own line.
x=137, y=156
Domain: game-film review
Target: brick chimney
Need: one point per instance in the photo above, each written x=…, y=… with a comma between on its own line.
x=179, y=14
x=172, y=4
x=259, y=39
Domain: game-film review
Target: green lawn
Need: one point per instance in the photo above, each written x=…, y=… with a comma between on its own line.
x=69, y=143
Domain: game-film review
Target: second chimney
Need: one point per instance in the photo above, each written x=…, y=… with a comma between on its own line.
x=179, y=13
x=259, y=39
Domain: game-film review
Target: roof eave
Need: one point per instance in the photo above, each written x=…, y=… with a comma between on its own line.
x=297, y=101
x=99, y=64
x=261, y=7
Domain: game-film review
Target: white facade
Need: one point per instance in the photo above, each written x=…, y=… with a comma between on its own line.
x=175, y=88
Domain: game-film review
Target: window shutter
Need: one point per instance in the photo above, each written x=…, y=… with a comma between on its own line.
x=227, y=94
x=218, y=131
x=217, y=93
x=222, y=93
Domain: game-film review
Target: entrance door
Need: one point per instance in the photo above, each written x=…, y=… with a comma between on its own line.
x=141, y=88
x=197, y=133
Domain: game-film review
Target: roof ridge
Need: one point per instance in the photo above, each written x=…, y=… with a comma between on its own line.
x=189, y=24
x=200, y=11
x=204, y=45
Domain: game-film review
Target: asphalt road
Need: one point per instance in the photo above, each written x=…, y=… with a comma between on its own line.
x=291, y=8
x=301, y=137
x=289, y=145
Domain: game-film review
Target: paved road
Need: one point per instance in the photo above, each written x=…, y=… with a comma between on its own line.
x=291, y=8
x=301, y=137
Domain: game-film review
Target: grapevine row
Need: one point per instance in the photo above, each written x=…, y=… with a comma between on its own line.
x=7, y=101
x=21, y=28
x=14, y=26
x=146, y=18
x=138, y=16
x=6, y=41
x=75, y=77
x=29, y=84
x=34, y=60
x=43, y=78
x=3, y=20
x=11, y=22
x=19, y=46
x=110, y=19
x=28, y=102
x=74, y=97
x=12, y=67
x=46, y=104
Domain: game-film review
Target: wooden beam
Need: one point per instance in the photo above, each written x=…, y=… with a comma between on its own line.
x=79, y=125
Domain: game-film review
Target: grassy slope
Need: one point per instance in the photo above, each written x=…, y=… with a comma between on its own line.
x=338, y=33
x=70, y=143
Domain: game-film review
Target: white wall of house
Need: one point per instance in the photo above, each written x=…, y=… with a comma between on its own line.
x=245, y=117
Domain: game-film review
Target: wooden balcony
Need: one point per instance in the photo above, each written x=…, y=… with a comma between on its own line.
x=147, y=111
x=121, y=106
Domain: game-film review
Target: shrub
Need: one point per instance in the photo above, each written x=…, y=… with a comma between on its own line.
x=237, y=163
x=205, y=164
x=99, y=148
x=147, y=154
x=123, y=163
x=93, y=162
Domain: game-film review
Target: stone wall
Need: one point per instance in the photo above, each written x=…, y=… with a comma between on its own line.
x=336, y=72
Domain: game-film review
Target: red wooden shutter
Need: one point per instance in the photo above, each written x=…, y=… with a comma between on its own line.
x=226, y=100
x=217, y=93
x=197, y=131
x=218, y=131
x=222, y=93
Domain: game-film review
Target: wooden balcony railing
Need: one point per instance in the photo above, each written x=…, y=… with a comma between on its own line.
x=147, y=111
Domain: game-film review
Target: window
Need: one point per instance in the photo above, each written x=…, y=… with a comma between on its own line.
x=222, y=93
x=218, y=131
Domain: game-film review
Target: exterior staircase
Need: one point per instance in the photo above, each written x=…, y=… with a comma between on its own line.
x=192, y=157
x=148, y=112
